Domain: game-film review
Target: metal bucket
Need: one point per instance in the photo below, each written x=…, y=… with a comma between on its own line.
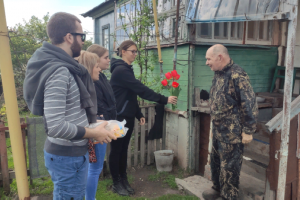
x=164, y=160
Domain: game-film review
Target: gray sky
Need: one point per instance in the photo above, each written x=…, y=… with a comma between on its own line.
x=17, y=10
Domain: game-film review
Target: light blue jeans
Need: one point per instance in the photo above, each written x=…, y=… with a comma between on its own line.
x=68, y=174
x=95, y=171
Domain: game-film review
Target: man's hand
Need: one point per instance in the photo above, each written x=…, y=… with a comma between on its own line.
x=246, y=138
x=172, y=100
x=100, y=134
x=142, y=121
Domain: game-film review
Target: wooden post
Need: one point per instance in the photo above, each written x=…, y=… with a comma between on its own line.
x=143, y=135
x=136, y=142
x=129, y=155
x=149, y=144
x=4, y=162
x=151, y=125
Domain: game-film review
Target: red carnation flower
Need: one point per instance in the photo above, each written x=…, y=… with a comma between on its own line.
x=168, y=75
x=164, y=82
x=175, y=84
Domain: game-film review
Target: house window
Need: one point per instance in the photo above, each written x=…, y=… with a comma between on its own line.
x=204, y=30
x=105, y=36
x=174, y=26
x=257, y=32
x=221, y=30
x=237, y=29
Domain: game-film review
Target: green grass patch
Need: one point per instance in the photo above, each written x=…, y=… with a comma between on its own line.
x=165, y=177
x=10, y=160
x=104, y=192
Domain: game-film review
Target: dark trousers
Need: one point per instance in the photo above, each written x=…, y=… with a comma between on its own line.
x=226, y=164
x=118, y=153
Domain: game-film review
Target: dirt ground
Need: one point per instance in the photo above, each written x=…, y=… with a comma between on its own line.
x=150, y=189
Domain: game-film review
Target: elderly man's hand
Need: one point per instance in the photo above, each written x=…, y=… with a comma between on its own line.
x=246, y=138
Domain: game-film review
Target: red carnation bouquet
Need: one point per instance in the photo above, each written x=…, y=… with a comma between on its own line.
x=172, y=86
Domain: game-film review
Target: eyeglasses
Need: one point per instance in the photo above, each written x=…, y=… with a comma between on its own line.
x=82, y=35
x=132, y=51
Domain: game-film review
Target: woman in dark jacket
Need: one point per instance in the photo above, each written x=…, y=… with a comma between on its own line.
x=126, y=88
x=106, y=104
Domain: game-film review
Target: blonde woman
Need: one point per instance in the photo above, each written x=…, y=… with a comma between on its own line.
x=106, y=109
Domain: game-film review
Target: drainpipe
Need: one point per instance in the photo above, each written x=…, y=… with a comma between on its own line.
x=291, y=40
x=176, y=35
x=157, y=39
x=11, y=103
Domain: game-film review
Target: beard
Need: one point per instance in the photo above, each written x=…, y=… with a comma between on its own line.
x=76, y=48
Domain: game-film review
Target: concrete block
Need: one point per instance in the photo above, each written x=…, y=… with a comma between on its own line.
x=194, y=185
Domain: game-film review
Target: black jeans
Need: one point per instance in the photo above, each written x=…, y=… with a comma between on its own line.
x=118, y=153
x=226, y=164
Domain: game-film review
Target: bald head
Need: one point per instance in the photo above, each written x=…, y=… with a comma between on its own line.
x=217, y=57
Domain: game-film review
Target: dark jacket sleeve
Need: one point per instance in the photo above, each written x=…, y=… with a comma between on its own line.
x=247, y=100
x=101, y=107
x=139, y=113
x=127, y=79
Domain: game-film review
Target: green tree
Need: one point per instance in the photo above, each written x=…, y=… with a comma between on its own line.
x=25, y=39
x=87, y=43
x=140, y=29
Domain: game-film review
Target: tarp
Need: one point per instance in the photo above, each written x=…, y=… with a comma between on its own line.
x=230, y=10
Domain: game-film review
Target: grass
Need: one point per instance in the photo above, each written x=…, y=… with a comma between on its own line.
x=167, y=177
x=44, y=186
x=40, y=186
x=10, y=155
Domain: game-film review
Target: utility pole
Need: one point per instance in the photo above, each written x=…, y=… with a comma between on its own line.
x=176, y=35
x=11, y=103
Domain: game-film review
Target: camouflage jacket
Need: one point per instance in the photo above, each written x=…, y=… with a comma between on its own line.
x=233, y=105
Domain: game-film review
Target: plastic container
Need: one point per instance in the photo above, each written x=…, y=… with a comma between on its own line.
x=117, y=127
x=164, y=160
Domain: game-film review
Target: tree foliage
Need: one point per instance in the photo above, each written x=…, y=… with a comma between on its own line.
x=25, y=38
x=140, y=30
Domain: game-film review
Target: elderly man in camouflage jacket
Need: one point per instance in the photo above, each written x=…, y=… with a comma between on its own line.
x=234, y=116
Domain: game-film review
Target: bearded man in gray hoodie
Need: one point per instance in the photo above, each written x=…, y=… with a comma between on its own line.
x=62, y=91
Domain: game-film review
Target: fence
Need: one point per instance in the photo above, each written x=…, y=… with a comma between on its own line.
x=140, y=151
x=6, y=175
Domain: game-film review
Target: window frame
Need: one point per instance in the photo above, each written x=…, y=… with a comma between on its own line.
x=107, y=26
x=267, y=34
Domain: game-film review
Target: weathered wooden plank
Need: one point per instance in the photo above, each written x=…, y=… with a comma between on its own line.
x=129, y=155
x=22, y=122
x=157, y=147
x=149, y=143
x=150, y=146
x=4, y=162
x=12, y=175
x=136, y=142
x=197, y=101
x=143, y=135
x=152, y=123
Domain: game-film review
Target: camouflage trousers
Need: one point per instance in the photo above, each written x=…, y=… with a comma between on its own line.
x=226, y=163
